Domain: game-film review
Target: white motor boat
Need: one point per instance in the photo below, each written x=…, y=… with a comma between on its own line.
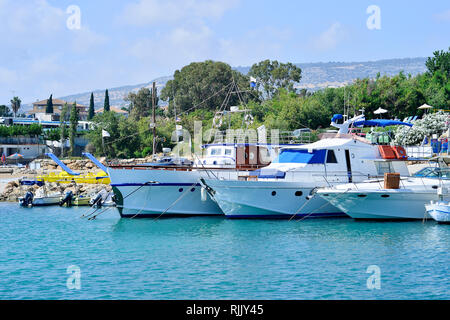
x=439, y=211
x=40, y=199
x=371, y=200
x=285, y=188
x=173, y=190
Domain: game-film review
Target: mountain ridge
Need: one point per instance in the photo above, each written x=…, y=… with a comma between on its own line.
x=315, y=76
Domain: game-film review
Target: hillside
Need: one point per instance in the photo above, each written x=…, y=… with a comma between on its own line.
x=315, y=76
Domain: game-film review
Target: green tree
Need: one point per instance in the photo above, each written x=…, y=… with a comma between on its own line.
x=74, y=118
x=15, y=105
x=141, y=103
x=440, y=62
x=91, y=112
x=271, y=76
x=4, y=111
x=106, y=106
x=204, y=85
x=49, y=107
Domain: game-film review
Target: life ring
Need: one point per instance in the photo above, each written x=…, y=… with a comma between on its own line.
x=248, y=119
x=217, y=121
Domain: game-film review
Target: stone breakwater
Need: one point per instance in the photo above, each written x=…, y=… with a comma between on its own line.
x=86, y=165
x=13, y=190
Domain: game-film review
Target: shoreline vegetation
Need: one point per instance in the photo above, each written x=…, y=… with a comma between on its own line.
x=200, y=89
x=197, y=92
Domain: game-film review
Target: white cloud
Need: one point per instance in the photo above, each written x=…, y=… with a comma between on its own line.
x=443, y=16
x=254, y=46
x=85, y=39
x=148, y=12
x=330, y=38
x=179, y=46
x=30, y=19
x=41, y=54
x=7, y=76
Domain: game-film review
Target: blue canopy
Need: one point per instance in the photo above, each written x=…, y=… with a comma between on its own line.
x=96, y=162
x=381, y=123
x=301, y=156
x=336, y=117
x=62, y=165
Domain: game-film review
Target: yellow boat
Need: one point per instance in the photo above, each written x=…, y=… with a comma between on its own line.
x=79, y=201
x=61, y=177
x=93, y=178
x=64, y=177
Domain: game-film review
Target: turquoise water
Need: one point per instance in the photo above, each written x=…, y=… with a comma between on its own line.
x=215, y=258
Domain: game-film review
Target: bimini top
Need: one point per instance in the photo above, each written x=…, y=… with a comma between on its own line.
x=380, y=123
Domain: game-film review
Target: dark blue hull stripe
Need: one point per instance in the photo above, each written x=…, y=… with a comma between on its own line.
x=156, y=185
x=167, y=215
x=287, y=216
x=281, y=216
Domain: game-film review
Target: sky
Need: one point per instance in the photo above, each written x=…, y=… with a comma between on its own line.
x=64, y=47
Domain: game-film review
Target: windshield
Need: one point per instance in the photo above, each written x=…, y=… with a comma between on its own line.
x=442, y=173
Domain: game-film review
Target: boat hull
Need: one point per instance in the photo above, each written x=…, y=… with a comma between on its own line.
x=439, y=212
x=47, y=201
x=269, y=200
x=160, y=193
x=380, y=205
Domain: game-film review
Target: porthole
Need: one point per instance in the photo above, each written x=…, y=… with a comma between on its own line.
x=362, y=195
x=180, y=190
x=434, y=187
x=274, y=193
x=298, y=193
x=385, y=196
x=193, y=189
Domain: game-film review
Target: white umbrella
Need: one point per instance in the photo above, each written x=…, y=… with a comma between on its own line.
x=380, y=111
x=425, y=106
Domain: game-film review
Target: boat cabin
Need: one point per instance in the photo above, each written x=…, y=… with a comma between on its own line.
x=336, y=160
x=242, y=156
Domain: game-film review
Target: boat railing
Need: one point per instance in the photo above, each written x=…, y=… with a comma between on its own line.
x=278, y=137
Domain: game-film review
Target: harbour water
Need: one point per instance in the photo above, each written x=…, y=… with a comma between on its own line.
x=215, y=258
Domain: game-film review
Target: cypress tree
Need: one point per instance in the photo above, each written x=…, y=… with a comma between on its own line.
x=106, y=106
x=49, y=107
x=91, y=112
x=73, y=127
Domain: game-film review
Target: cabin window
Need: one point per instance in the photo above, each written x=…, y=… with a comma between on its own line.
x=301, y=156
x=216, y=152
x=383, y=167
x=228, y=152
x=331, y=157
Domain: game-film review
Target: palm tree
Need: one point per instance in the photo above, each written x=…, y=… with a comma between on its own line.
x=15, y=105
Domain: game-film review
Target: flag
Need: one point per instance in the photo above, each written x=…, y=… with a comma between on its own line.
x=177, y=119
x=105, y=134
x=252, y=82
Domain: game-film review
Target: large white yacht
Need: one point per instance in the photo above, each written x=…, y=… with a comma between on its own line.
x=371, y=200
x=157, y=190
x=284, y=189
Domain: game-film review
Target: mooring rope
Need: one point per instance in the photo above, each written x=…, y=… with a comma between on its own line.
x=309, y=214
x=176, y=201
